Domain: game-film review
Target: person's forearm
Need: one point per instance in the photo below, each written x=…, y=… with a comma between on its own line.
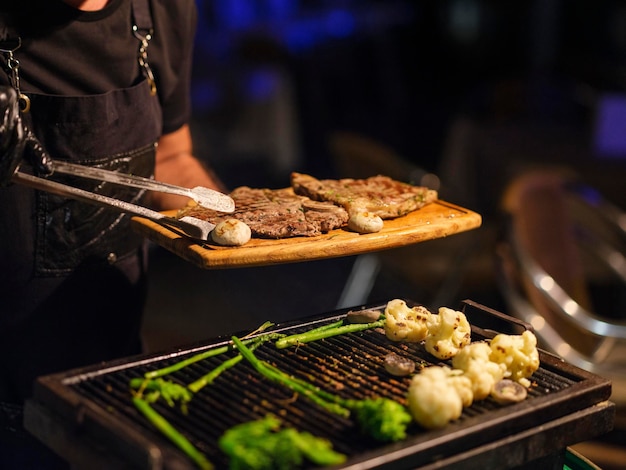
x=186, y=171
x=176, y=164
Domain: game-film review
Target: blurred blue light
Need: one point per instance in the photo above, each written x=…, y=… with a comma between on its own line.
x=301, y=35
x=591, y=195
x=307, y=33
x=206, y=94
x=282, y=9
x=340, y=23
x=235, y=14
x=298, y=27
x=610, y=126
x=261, y=84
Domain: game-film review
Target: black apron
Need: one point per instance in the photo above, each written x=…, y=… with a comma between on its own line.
x=76, y=276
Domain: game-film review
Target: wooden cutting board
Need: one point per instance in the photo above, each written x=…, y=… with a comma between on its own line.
x=436, y=220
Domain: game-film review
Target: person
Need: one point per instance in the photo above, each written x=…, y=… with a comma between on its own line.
x=96, y=82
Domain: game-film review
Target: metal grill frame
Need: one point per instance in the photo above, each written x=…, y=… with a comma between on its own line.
x=70, y=413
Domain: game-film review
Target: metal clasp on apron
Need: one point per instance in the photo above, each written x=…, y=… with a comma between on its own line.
x=143, y=57
x=12, y=66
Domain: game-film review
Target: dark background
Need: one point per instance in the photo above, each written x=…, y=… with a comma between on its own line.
x=399, y=72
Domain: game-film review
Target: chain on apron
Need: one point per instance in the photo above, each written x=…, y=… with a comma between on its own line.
x=12, y=66
x=115, y=131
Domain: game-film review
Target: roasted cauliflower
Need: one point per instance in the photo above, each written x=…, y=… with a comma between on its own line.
x=403, y=323
x=474, y=361
x=448, y=332
x=437, y=396
x=518, y=353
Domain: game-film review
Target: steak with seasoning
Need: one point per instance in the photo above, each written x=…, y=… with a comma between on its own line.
x=378, y=195
x=276, y=213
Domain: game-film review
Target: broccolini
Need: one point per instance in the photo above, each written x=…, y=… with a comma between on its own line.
x=265, y=444
x=381, y=418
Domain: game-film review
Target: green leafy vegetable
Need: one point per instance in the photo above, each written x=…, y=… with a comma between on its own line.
x=263, y=444
x=159, y=388
x=384, y=419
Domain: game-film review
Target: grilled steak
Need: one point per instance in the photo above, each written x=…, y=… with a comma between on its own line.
x=276, y=213
x=379, y=195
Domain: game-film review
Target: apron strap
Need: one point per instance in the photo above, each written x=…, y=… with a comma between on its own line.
x=142, y=29
x=141, y=15
x=9, y=43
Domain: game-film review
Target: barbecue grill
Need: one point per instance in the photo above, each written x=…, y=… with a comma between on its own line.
x=86, y=415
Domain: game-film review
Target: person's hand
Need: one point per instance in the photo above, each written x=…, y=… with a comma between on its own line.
x=17, y=142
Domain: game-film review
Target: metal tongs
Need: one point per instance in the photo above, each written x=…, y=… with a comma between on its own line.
x=191, y=226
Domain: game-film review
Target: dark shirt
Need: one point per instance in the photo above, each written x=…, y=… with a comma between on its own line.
x=53, y=320
x=68, y=52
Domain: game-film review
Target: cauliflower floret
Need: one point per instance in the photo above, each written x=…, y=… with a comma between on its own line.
x=518, y=353
x=462, y=385
x=405, y=324
x=474, y=361
x=448, y=332
x=437, y=396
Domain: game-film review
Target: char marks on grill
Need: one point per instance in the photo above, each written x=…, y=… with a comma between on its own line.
x=276, y=213
x=378, y=195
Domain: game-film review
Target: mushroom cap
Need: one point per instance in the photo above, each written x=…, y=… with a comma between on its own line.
x=508, y=391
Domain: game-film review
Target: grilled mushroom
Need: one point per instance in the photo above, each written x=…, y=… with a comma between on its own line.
x=365, y=222
x=231, y=232
x=507, y=391
x=398, y=365
x=362, y=316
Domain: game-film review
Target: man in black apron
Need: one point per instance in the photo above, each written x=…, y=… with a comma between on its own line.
x=102, y=83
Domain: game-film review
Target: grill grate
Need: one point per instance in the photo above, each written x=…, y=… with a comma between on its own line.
x=349, y=365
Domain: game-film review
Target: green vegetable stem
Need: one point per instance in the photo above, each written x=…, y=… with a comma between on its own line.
x=326, y=331
x=172, y=433
x=209, y=353
x=208, y=378
x=381, y=418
